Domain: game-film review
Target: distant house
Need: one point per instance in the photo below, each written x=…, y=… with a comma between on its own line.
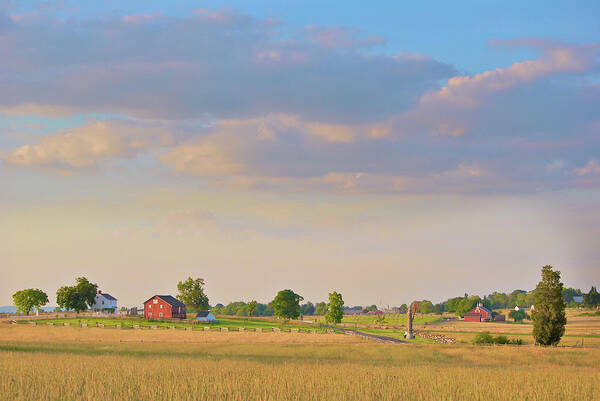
x=499, y=318
x=104, y=302
x=578, y=299
x=164, y=307
x=478, y=314
x=205, y=316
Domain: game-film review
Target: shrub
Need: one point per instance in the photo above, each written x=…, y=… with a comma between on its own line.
x=486, y=338
x=501, y=340
x=483, y=338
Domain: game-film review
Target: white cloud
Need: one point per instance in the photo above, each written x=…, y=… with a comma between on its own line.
x=451, y=109
x=592, y=168
x=85, y=146
x=203, y=158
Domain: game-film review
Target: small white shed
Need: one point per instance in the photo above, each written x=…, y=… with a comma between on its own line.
x=205, y=316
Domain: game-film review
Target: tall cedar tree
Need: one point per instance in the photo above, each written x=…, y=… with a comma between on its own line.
x=335, y=308
x=191, y=293
x=549, y=309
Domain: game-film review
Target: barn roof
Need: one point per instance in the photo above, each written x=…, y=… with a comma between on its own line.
x=171, y=300
x=481, y=308
x=485, y=309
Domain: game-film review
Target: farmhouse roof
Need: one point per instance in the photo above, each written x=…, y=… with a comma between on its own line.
x=171, y=300
x=108, y=296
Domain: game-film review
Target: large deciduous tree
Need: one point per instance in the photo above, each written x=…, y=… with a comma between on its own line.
x=335, y=307
x=26, y=300
x=518, y=315
x=426, y=307
x=286, y=304
x=549, y=309
x=191, y=293
x=79, y=297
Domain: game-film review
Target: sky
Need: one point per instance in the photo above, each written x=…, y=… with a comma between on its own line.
x=391, y=152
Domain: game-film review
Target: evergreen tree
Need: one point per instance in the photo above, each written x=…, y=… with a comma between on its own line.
x=549, y=309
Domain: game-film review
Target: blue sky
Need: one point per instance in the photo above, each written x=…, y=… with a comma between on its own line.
x=283, y=142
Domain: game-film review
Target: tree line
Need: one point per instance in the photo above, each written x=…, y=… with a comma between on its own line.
x=78, y=298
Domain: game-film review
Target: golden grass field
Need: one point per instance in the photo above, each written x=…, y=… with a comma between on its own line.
x=71, y=363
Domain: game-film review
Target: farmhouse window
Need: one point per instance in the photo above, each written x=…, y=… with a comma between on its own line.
x=155, y=301
x=160, y=314
x=161, y=306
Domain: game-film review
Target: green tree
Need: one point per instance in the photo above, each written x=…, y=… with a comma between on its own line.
x=426, y=307
x=591, y=299
x=252, y=307
x=286, y=304
x=518, y=315
x=191, y=293
x=241, y=310
x=26, y=300
x=335, y=308
x=569, y=293
x=466, y=304
x=217, y=309
x=403, y=308
x=517, y=298
x=372, y=308
x=79, y=297
x=307, y=308
x=549, y=311
x=321, y=309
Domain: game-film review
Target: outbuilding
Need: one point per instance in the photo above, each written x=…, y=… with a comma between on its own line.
x=164, y=307
x=205, y=316
x=478, y=314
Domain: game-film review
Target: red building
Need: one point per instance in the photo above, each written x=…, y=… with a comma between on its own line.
x=164, y=307
x=478, y=314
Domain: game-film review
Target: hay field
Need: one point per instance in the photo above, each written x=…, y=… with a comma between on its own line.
x=63, y=363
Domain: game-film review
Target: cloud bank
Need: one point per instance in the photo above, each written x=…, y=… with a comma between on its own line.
x=251, y=103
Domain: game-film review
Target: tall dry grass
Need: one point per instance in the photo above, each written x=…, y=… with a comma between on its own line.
x=44, y=367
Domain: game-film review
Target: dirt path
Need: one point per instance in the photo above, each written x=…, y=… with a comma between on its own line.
x=375, y=337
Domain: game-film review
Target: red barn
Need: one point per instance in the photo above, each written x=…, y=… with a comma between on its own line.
x=164, y=307
x=478, y=314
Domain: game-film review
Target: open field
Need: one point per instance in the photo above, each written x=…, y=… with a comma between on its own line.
x=581, y=329
x=391, y=319
x=232, y=323
x=67, y=363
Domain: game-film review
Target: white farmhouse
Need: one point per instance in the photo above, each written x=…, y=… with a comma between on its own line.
x=104, y=302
